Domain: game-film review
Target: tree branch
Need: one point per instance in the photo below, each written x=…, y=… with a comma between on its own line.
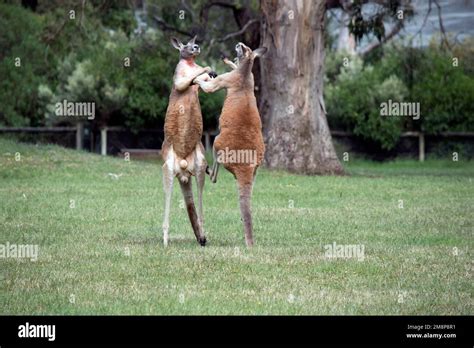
x=370, y=47
x=205, y=9
x=393, y=32
x=239, y=32
x=166, y=27
x=187, y=8
x=424, y=19
x=204, y=12
x=441, y=26
x=81, y=24
x=50, y=37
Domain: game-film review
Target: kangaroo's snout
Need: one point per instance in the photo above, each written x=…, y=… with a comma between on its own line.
x=239, y=49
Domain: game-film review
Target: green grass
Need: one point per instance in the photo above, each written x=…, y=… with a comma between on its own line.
x=418, y=260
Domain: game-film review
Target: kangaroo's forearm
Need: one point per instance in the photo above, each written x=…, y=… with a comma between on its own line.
x=209, y=86
x=230, y=63
x=183, y=83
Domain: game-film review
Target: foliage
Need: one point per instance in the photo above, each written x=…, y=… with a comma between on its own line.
x=353, y=100
x=99, y=79
x=426, y=76
x=18, y=84
x=83, y=59
x=445, y=93
x=361, y=24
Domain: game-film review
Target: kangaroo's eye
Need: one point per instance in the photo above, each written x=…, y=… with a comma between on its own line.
x=195, y=47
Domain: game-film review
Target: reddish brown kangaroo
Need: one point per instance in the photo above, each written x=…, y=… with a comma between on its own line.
x=182, y=149
x=239, y=146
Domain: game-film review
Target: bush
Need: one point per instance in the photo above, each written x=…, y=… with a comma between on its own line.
x=445, y=92
x=18, y=85
x=353, y=102
x=83, y=60
x=99, y=79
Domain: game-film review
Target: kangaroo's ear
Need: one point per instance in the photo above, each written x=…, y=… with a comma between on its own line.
x=193, y=40
x=176, y=43
x=259, y=52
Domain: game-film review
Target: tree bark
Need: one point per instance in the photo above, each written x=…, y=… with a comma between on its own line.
x=296, y=132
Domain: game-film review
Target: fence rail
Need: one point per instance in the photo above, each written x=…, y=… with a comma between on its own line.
x=419, y=135
x=79, y=129
x=37, y=129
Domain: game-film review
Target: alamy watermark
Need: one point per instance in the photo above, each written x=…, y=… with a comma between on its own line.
x=394, y=108
x=242, y=156
x=20, y=251
x=28, y=330
x=345, y=251
x=83, y=109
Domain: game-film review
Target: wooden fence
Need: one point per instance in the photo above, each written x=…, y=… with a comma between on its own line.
x=79, y=130
x=419, y=135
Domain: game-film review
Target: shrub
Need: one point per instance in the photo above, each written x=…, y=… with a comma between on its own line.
x=428, y=76
x=445, y=93
x=18, y=85
x=353, y=102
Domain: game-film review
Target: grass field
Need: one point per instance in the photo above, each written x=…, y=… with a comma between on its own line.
x=100, y=247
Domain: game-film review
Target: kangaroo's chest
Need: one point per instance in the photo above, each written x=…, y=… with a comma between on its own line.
x=241, y=113
x=240, y=125
x=183, y=122
x=183, y=106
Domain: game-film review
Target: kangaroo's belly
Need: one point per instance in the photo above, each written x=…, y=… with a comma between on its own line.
x=240, y=141
x=183, y=122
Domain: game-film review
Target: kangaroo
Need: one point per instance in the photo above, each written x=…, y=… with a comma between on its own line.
x=182, y=150
x=240, y=128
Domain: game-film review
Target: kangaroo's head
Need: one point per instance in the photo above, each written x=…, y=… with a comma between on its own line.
x=246, y=57
x=190, y=50
x=245, y=53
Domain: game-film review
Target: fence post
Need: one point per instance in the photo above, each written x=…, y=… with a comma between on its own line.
x=207, y=141
x=421, y=147
x=79, y=135
x=103, y=141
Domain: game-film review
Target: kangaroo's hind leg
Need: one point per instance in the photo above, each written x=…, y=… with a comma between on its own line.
x=245, y=185
x=186, y=188
x=168, y=178
x=215, y=165
x=201, y=166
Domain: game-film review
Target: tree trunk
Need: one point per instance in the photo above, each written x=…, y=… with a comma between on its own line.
x=296, y=132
